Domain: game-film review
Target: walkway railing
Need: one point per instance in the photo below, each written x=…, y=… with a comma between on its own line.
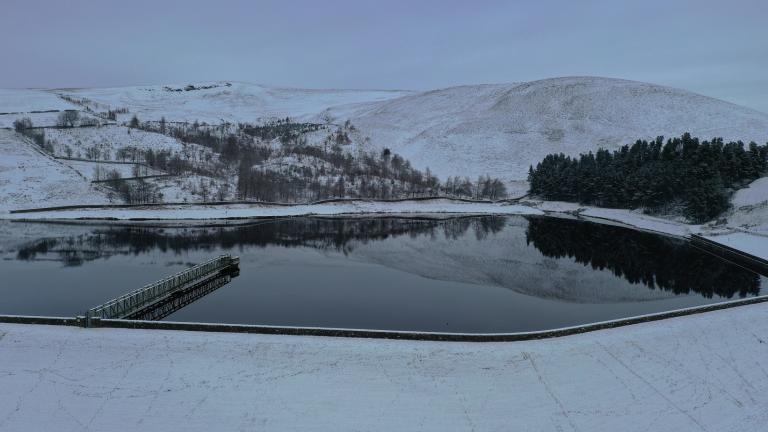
x=177, y=301
x=144, y=297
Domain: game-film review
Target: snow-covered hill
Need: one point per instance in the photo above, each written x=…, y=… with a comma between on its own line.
x=14, y=101
x=496, y=129
x=222, y=101
x=502, y=129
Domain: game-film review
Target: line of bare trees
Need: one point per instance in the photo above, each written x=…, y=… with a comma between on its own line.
x=323, y=171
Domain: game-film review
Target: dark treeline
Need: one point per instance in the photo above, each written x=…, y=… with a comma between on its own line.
x=165, y=160
x=285, y=130
x=652, y=260
x=683, y=172
x=190, y=87
x=221, y=138
x=136, y=191
x=334, y=174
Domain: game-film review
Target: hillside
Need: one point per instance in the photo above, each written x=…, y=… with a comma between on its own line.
x=496, y=129
x=218, y=102
x=30, y=178
x=502, y=129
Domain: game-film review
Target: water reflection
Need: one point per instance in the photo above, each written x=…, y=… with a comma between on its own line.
x=180, y=299
x=639, y=257
x=657, y=262
x=322, y=233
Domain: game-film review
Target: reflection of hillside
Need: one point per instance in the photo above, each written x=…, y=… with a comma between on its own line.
x=339, y=235
x=180, y=299
x=655, y=261
x=542, y=257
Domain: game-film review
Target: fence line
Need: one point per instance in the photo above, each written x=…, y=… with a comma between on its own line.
x=134, y=178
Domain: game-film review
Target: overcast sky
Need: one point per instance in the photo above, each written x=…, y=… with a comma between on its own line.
x=717, y=48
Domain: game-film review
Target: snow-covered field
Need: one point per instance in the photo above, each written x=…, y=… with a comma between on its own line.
x=189, y=188
x=29, y=178
x=18, y=103
x=756, y=193
x=89, y=170
x=697, y=373
x=109, y=139
x=237, y=102
x=26, y=100
x=750, y=208
x=38, y=119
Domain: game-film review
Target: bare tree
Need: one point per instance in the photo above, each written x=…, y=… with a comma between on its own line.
x=22, y=124
x=223, y=192
x=98, y=173
x=67, y=118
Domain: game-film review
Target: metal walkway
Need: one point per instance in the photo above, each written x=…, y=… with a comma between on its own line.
x=140, y=301
x=179, y=299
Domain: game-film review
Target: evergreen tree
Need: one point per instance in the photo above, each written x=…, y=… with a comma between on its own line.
x=653, y=175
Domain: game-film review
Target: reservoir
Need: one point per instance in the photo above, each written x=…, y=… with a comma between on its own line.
x=484, y=274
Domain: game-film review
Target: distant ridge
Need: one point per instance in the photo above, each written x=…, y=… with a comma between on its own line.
x=496, y=129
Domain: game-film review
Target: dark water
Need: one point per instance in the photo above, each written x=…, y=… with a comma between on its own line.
x=479, y=274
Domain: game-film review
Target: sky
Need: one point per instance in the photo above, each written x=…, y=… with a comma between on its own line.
x=715, y=48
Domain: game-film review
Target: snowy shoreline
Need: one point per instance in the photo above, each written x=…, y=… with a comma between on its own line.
x=755, y=243
x=437, y=206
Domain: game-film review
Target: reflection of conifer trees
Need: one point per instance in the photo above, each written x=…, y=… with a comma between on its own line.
x=652, y=260
x=655, y=261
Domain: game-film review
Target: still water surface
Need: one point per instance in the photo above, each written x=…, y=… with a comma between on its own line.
x=478, y=274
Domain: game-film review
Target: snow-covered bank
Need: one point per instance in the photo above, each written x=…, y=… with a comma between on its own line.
x=203, y=212
x=631, y=218
x=705, y=373
x=750, y=207
x=750, y=238
x=231, y=211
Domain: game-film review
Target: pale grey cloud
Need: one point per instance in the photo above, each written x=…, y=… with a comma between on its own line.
x=711, y=47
